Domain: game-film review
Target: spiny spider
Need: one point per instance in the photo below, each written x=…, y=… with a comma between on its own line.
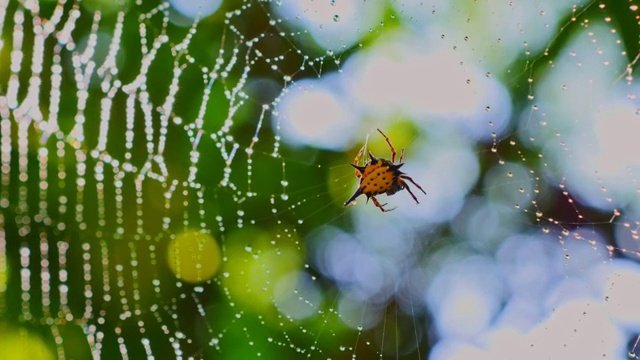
x=381, y=176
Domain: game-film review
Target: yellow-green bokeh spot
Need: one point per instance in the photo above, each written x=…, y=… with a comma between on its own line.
x=257, y=259
x=20, y=344
x=107, y=7
x=193, y=256
x=402, y=134
x=4, y=278
x=342, y=180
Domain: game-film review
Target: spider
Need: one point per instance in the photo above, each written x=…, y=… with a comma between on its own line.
x=380, y=176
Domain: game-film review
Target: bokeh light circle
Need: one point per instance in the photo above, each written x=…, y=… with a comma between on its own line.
x=193, y=256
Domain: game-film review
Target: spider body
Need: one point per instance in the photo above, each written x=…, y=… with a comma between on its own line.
x=381, y=176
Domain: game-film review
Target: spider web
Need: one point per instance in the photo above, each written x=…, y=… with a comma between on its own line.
x=172, y=176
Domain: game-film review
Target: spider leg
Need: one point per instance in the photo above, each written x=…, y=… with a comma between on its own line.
x=406, y=187
x=393, y=151
x=380, y=206
x=413, y=182
x=401, y=156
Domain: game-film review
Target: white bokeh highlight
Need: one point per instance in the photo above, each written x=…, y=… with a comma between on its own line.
x=195, y=9
x=334, y=25
x=312, y=113
x=402, y=75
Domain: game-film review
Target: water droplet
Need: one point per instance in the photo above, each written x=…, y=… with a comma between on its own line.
x=336, y=17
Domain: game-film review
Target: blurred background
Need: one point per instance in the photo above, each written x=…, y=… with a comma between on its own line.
x=173, y=175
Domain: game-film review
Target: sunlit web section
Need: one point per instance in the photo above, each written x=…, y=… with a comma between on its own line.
x=104, y=120
x=173, y=174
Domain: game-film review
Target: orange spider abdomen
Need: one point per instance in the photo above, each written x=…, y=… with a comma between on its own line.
x=377, y=179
